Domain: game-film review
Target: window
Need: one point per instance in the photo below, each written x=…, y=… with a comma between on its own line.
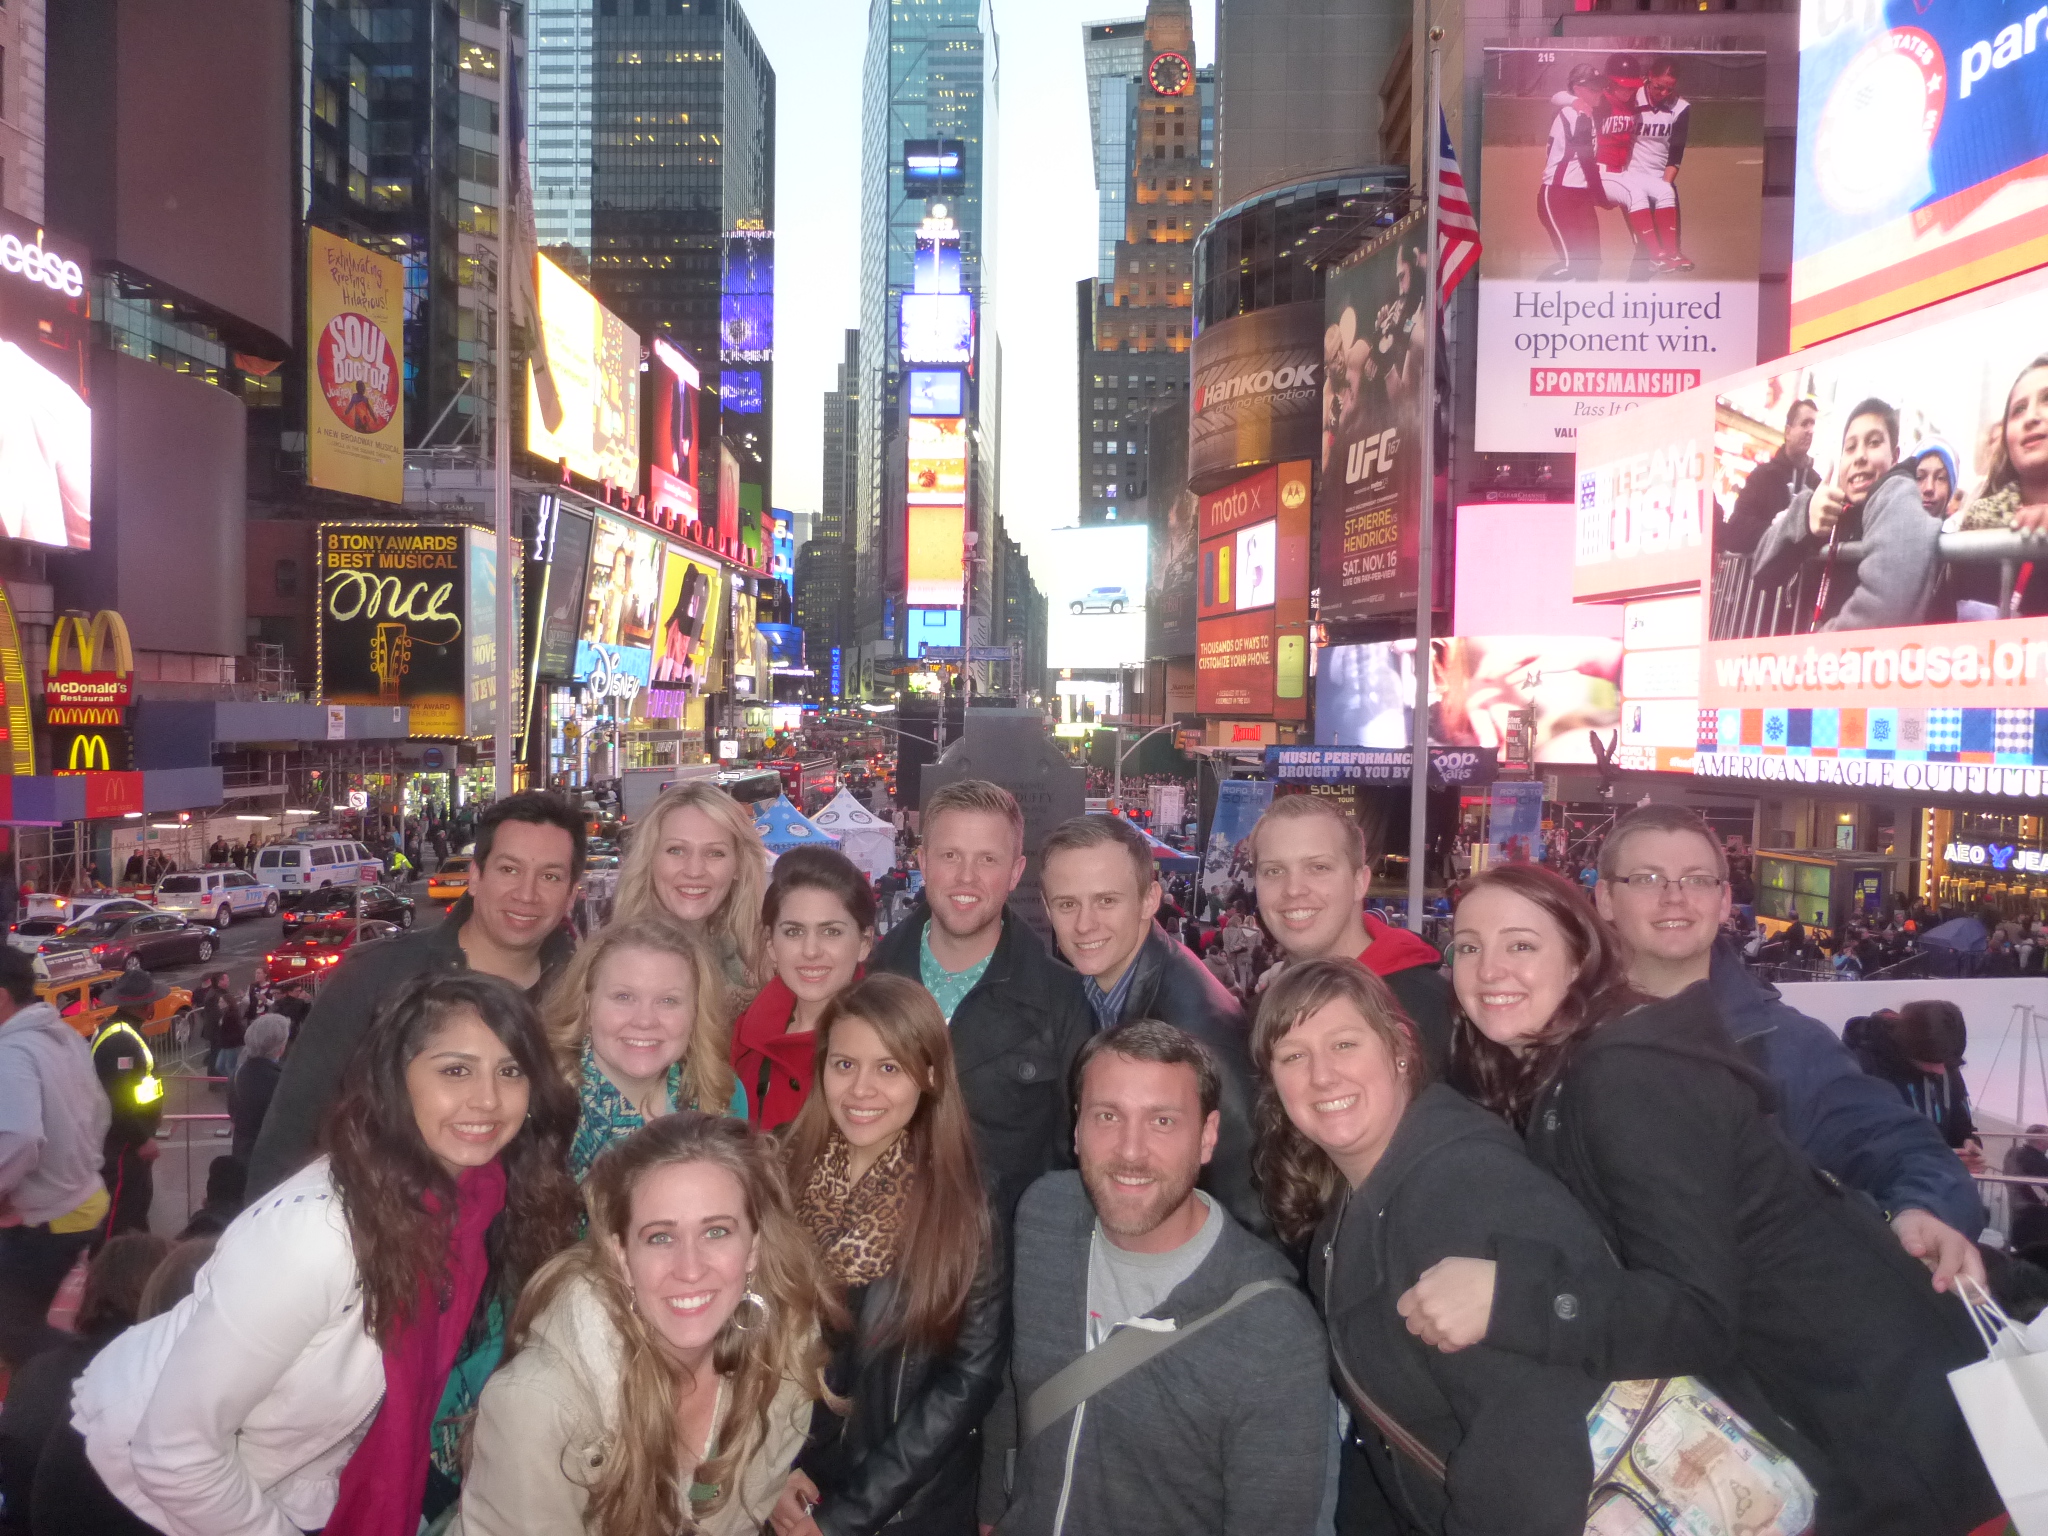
x=323, y=856
x=476, y=59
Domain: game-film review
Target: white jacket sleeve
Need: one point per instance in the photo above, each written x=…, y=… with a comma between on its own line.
x=518, y=1482
x=270, y=1290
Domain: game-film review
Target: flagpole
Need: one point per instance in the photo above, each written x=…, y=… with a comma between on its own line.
x=506, y=645
x=1425, y=550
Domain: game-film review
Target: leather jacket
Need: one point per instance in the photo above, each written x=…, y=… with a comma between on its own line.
x=911, y=1436
x=1172, y=985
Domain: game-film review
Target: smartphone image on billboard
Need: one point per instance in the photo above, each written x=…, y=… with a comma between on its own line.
x=1290, y=679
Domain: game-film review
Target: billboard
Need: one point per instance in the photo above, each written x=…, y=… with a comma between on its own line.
x=690, y=591
x=937, y=473
x=1892, y=604
x=785, y=646
x=747, y=261
x=46, y=439
x=672, y=387
x=938, y=328
x=1257, y=392
x=1920, y=156
x=621, y=599
x=561, y=620
x=483, y=636
x=929, y=626
x=728, y=492
x=1373, y=420
x=355, y=369
x=595, y=359
x=936, y=392
x=393, y=602
x=746, y=327
x=740, y=391
x=1227, y=858
x=935, y=556
x=1623, y=219
x=1094, y=587
x=933, y=167
x=1251, y=631
x=1365, y=694
x=1645, y=520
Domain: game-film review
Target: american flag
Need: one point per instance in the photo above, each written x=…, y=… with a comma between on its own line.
x=1457, y=232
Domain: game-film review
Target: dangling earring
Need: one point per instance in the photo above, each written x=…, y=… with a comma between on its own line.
x=760, y=1302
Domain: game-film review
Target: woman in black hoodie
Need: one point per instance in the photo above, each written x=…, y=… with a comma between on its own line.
x=1742, y=1263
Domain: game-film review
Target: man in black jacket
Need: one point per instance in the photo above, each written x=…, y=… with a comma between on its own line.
x=1017, y=1017
x=1102, y=892
x=529, y=858
x=1772, y=484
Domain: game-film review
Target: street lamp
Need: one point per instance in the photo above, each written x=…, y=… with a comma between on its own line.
x=1116, y=798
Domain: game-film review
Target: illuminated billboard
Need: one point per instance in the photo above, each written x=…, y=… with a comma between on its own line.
x=45, y=415
x=746, y=327
x=673, y=384
x=740, y=391
x=1365, y=694
x=935, y=392
x=355, y=367
x=561, y=619
x=1920, y=152
x=595, y=359
x=394, y=613
x=747, y=261
x=937, y=472
x=1623, y=218
x=689, y=623
x=621, y=598
x=933, y=167
x=929, y=626
x=935, y=556
x=938, y=328
x=1251, y=630
x=1885, y=597
x=1095, y=596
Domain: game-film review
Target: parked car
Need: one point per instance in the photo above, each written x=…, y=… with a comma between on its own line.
x=450, y=882
x=121, y=942
x=69, y=909
x=320, y=947
x=218, y=893
x=1101, y=600
x=293, y=868
x=31, y=933
x=378, y=902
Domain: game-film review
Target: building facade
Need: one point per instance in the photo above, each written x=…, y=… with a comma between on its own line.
x=824, y=596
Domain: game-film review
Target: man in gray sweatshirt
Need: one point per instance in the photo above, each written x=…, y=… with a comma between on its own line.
x=53, y=1119
x=1228, y=1432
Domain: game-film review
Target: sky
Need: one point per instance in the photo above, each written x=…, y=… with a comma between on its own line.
x=1045, y=232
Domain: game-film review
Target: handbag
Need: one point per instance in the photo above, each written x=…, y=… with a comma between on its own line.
x=2004, y=1398
x=1672, y=1458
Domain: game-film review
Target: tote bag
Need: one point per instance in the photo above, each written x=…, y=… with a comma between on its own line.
x=1671, y=1458
x=2004, y=1399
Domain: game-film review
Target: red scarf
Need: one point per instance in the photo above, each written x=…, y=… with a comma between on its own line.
x=385, y=1481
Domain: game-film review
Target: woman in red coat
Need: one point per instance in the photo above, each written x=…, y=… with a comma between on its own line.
x=819, y=913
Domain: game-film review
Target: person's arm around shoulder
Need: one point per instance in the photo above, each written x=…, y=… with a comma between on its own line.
x=518, y=1482
x=1276, y=1435
x=270, y=1287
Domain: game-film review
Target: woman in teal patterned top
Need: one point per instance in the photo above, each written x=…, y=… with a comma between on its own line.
x=638, y=1022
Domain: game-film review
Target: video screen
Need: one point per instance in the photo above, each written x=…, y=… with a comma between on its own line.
x=746, y=327
x=748, y=261
x=935, y=556
x=938, y=328
x=594, y=358
x=935, y=266
x=621, y=599
x=936, y=392
x=1365, y=694
x=45, y=452
x=1095, y=596
x=937, y=468
x=740, y=391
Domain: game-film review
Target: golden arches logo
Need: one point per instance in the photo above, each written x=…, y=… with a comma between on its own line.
x=89, y=754
x=89, y=640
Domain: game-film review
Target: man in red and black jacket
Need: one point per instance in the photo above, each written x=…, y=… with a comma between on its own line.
x=1308, y=862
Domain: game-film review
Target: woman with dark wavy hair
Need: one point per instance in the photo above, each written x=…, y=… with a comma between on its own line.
x=298, y=1385
x=1381, y=1172
x=1740, y=1263
x=662, y=1372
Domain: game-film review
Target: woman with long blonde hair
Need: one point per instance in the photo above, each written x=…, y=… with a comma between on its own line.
x=661, y=1373
x=883, y=1167
x=638, y=1026
x=696, y=859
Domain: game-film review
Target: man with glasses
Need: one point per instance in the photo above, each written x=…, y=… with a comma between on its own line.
x=1664, y=886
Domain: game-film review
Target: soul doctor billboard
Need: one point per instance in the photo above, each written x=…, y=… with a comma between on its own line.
x=355, y=366
x=1623, y=191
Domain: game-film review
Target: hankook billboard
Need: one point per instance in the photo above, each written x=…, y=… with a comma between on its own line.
x=1257, y=392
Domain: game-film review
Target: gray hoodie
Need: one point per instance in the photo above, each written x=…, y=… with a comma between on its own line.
x=53, y=1117
x=1228, y=1434
x=1894, y=582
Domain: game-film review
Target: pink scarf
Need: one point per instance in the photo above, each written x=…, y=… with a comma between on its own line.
x=385, y=1481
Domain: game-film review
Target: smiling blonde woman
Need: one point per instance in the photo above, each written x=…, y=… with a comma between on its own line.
x=697, y=860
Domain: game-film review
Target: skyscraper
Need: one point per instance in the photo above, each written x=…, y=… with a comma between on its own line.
x=824, y=564
x=1135, y=318
x=1113, y=58
x=682, y=202
x=1298, y=88
x=559, y=85
x=929, y=82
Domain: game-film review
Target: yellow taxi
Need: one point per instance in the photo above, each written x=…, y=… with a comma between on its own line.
x=450, y=882
x=85, y=997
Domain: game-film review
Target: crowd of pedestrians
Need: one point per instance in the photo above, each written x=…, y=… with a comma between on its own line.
x=740, y=1215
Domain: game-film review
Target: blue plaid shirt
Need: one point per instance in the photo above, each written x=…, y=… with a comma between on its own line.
x=1109, y=1006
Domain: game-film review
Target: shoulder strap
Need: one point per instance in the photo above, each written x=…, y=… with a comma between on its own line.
x=1390, y=1430
x=1117, y=1356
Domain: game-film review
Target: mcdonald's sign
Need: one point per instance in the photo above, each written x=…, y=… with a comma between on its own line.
x=99, y=682
x=91, y=751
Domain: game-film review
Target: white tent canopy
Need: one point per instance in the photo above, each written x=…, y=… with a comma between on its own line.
x=863, y=836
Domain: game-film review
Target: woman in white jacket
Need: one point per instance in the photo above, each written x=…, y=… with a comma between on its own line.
x=661, y=1373
x=297, y=1386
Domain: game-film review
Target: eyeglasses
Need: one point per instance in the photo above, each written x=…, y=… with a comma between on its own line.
x=1650, y=882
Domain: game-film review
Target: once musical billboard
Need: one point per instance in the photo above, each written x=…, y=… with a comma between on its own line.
x=355, y=369
x=393, y=602
x=595, y=359
x=1622, y=205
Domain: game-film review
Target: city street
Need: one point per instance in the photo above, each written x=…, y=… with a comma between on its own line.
x=195, y=1126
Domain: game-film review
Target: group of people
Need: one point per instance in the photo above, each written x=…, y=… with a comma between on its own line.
x=739, y=1214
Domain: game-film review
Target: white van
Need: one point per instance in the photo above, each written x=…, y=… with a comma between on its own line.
x=294, y=868
x=216, y=896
